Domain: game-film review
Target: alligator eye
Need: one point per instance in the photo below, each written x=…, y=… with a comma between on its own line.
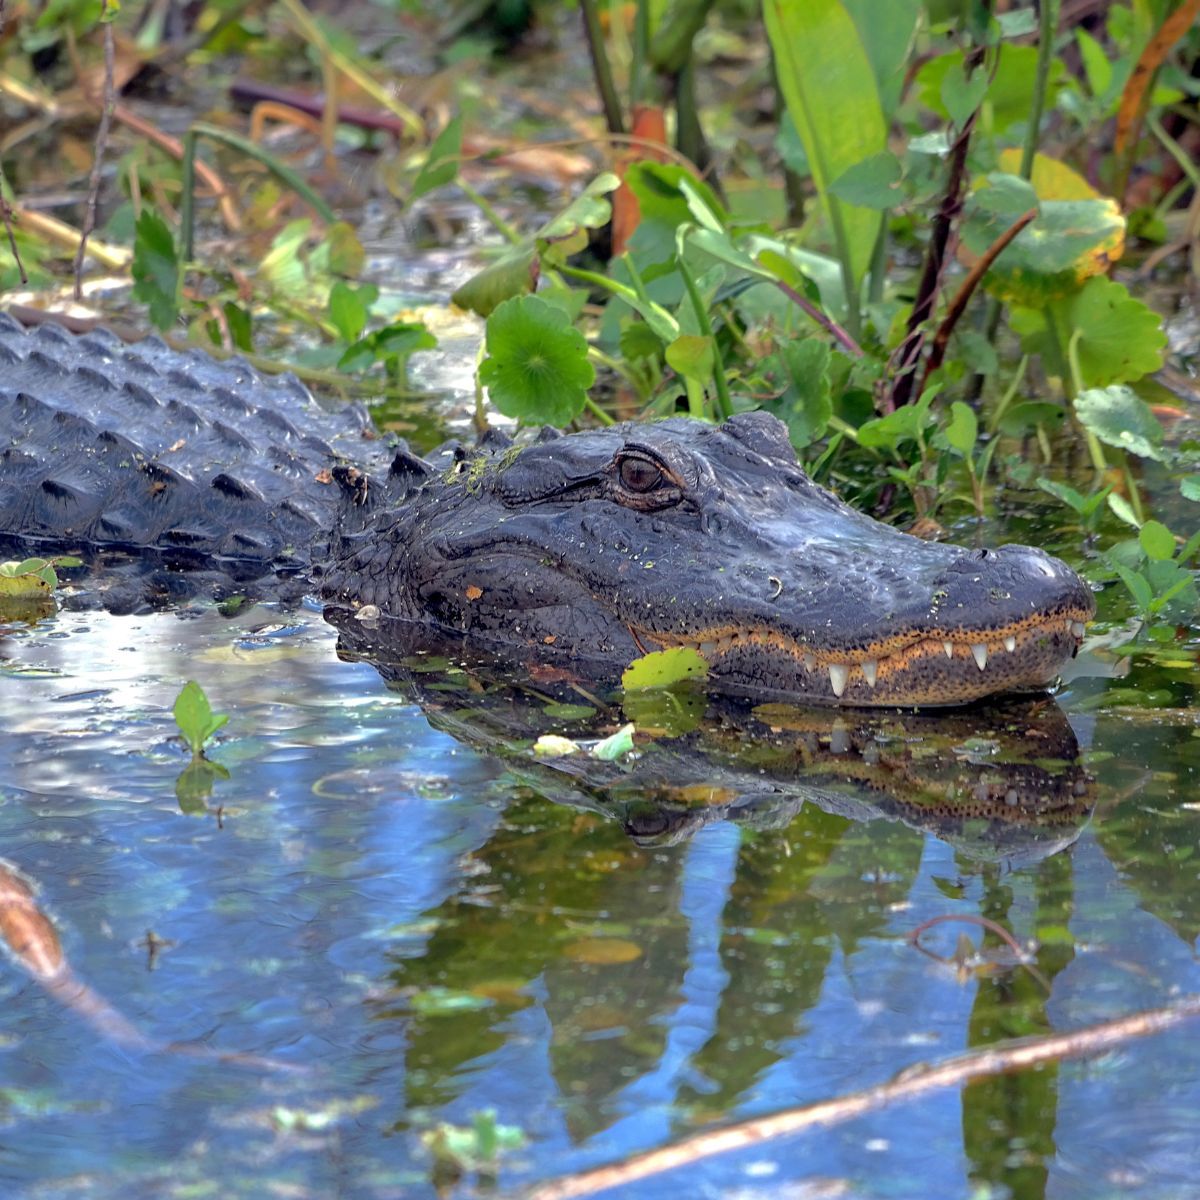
x=640, y=475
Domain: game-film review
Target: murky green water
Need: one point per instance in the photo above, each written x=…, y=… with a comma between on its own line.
x=423, y=932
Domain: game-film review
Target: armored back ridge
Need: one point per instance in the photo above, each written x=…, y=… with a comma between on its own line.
x=599, y=545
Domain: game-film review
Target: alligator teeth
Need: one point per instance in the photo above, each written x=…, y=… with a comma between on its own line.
x=949, y=649
x=979, y=650
x=839, y=673
x=1010, y=644
x=1077, y=628
x=810, y=663
x=870, y=669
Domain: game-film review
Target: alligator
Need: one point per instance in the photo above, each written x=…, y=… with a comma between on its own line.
x=592, y=547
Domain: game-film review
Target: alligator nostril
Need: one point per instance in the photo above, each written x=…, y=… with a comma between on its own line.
x=983, y=554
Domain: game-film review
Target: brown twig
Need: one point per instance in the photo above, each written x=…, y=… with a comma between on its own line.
x=908, y=353
x=825, y=321
x=937, y=350
x=1017, y=1054
x=1022, y=957
x=109, y=103
x=173, y=147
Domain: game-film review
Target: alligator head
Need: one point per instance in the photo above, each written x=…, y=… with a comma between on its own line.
x=604, y=545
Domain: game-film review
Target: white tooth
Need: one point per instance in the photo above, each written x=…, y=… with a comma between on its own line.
x=839, y=673
x=1078, y=628
x=810, y=663
x=708, y=649
x=839, y=738
x=949, y=649
x=980, y=652
x=1010, y=644
x=870, y=669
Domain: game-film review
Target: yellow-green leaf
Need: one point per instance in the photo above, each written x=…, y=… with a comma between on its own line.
x=829, y=87
x=662, y=668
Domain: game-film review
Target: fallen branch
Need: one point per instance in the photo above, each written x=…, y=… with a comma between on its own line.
x=1017, y=1054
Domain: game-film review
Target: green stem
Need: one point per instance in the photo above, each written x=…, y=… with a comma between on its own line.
x=724, y=403
x=282, y=172
x=600, y=66
x=1009, y=393
x=1175, y=150
x=484, y=205
x=1047, y=29
x=597, y=411
x=1095, y=449
x=878, y=262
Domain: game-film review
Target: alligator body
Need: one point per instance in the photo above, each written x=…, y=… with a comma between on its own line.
x=595, y=546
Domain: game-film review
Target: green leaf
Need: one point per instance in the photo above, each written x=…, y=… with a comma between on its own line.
x=692, y=357
x=1069, y=241
x=1189, y=485
x=962, y=431
x=615, y=746
x=1121, y=418
x=155, y=269
x=196, y=720
x=441, y=165
x=1010, y=92
x=513, y=273
x=662, y=668
x=887, y=33
x=1064, y=492
x=1123, y=509
x=806, y=404
x=516, y=271
x=1137, y=584
x=1121, y=339
x=833, y=99
x=872, y=183
x=1157, y=540
x=238, y=320
x=349, y=306
x=960, y=94
x=537, y=367
x=888, y=432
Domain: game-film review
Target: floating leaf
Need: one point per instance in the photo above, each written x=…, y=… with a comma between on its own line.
x=1190, y=487
x=537, y=367
x=553, y=745
x=1119, y=416
x=603, y=951
x=662, y=668
x=616, y=745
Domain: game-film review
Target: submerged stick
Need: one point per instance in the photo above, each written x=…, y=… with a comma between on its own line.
x=1015, y=1055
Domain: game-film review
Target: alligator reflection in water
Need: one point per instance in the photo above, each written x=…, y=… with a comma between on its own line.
x=998, y=780
x=691, y=1008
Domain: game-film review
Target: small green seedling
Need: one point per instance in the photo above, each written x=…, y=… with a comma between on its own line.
x=474, y=1147
x=32, y=577
x=196, y=720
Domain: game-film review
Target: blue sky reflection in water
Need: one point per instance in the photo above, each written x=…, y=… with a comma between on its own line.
x=428, y=935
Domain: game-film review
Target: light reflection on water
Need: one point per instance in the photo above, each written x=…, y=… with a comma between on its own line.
x=428, y=936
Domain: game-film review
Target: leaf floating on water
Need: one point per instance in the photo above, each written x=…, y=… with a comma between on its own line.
x=552, y=745
x=603, y=952
x=615, y=746
x=662, y=668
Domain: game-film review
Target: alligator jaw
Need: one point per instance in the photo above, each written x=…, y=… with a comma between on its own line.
x=926, y=668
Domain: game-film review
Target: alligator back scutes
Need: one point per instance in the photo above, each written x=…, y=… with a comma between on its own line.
x=142, y=445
